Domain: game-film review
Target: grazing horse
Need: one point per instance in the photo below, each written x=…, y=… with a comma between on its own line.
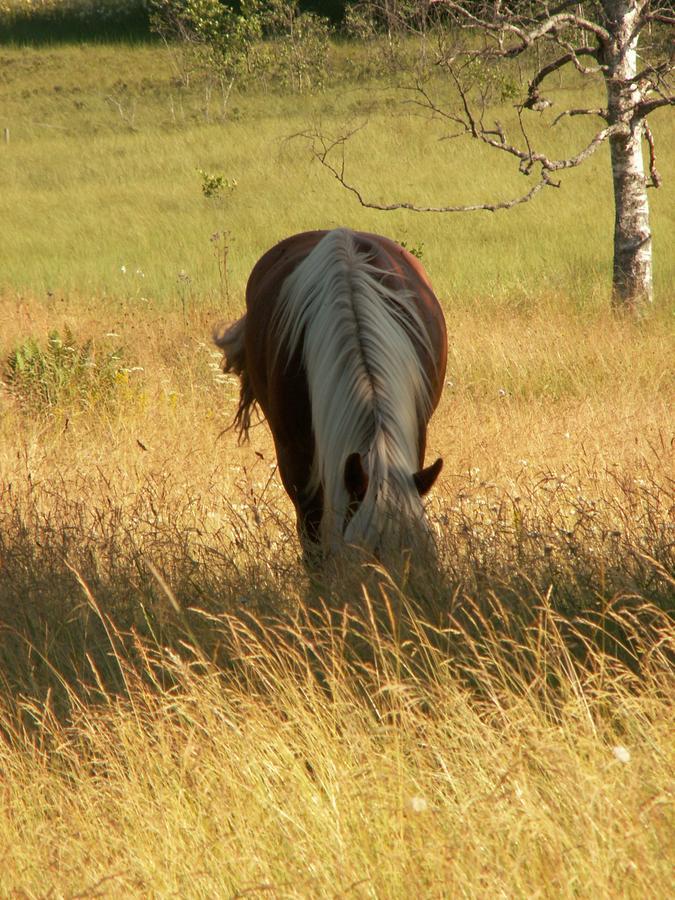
x=343, y=347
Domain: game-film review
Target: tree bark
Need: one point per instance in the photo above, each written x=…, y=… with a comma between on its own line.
x=632, y=289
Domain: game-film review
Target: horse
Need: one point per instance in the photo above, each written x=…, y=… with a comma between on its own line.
x=343, y=347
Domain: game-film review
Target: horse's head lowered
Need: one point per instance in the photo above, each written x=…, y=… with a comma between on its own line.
x=393, y=519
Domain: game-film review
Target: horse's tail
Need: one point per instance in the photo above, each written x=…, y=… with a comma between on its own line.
x=230, y=339
x=367, y=386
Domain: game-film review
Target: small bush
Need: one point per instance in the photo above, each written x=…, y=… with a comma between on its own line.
x=416, y=250
x=271, y=40
x=215, y=186
x=63, y=373
x=297, y=50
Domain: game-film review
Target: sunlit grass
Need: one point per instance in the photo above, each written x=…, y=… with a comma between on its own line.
x=308, y=770
x=101, y=172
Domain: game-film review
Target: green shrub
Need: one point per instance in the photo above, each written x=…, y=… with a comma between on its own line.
x=274, y=41
x=63, y=373
x=214, y=185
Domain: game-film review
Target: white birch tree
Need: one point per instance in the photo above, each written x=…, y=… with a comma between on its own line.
x=599, y=39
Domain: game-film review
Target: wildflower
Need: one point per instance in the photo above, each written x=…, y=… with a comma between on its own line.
x=123, y=270
x=621, y=753
x=417, y=804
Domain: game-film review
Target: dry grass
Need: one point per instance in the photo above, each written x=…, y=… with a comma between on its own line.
x=291, y=777
x=336, y=757
x=176, y=719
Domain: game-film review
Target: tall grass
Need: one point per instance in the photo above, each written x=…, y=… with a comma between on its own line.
x=558, y=478
x=182, y=710
x=352, y=752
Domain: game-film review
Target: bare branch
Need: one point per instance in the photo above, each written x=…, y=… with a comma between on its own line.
x=547, y=70
x=660, y=17
x=550, y=25
x=470, y=121
x=575, y=53
x=603, y=112
x=438, y=111
x=647, y=106
x=654, y=75
x=324, y=150
x=534, y=99
x=497, y=139
x=326, y=147
x=656, y=180
x=555, y=165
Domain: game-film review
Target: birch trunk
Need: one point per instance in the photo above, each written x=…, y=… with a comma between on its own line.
x=632, y=276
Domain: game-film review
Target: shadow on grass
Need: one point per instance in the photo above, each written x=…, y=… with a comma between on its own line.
x=99, y=590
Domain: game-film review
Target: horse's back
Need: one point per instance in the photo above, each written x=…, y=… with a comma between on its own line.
x=400, y=271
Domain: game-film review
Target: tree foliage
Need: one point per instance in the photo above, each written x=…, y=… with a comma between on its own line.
x=269, y=39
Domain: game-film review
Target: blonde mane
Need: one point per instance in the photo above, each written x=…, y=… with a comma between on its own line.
x=367, y=386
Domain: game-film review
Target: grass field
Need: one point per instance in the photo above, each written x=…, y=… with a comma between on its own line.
x=101, y=173
x=182, y=711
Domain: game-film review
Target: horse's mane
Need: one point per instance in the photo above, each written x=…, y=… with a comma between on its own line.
x=367, y=385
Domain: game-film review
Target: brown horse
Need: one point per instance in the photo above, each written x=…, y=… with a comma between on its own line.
x=343, y=347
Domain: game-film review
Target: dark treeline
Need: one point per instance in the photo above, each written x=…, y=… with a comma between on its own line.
x=130, y=20
x=77, y=21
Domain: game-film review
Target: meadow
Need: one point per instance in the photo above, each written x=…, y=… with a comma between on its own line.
x=183, y=711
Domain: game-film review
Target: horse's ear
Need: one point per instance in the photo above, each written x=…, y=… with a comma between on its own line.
x=425, y=478
x=356, y=477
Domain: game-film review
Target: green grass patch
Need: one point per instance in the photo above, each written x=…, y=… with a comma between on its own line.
x=102, y=172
